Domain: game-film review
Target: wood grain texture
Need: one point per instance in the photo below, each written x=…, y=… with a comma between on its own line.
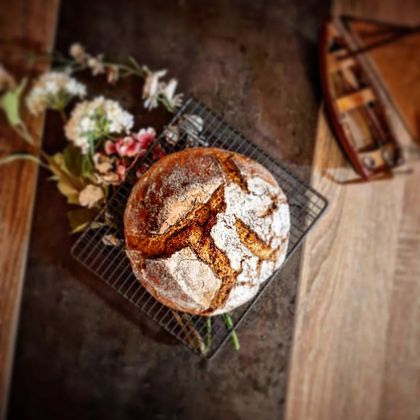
x=24, y=26
x=357, y=336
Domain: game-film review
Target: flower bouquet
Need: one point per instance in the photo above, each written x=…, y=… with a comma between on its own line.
x=104, y=143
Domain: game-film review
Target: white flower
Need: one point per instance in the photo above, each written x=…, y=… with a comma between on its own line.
x=151, y=88
x=92, y=120
x=113, y=74
x=90, y=196
x=154, y=89
x=53, y=90
x=78, y=52
x=96, y=65
x=111, y=240
x=168, y=93
x=7, y=81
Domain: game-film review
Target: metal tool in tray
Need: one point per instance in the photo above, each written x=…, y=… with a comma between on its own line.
x=193, y=125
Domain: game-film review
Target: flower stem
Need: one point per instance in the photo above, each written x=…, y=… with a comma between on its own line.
x=207, y=340
x=229, y=324
x=22, y=130
x=22, y=156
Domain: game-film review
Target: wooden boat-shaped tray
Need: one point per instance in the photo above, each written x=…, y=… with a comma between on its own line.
x=355, y=107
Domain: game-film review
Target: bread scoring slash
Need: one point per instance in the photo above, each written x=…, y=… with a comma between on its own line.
x=205, y=228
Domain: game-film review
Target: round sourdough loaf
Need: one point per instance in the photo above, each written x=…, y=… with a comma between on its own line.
x=204, y=228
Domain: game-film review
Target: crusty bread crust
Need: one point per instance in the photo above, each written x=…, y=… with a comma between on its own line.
x=174, y=220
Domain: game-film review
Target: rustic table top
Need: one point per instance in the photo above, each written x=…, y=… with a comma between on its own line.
x=80, y=348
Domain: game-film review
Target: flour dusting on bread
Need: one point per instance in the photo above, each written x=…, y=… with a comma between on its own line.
x=224, y=223
x=271, y=230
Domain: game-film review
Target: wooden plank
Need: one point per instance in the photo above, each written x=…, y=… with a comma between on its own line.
x=357, y=336
x=347, y=320
x=24, y=25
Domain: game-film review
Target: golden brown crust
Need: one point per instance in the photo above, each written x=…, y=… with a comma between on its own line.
x=154, y=231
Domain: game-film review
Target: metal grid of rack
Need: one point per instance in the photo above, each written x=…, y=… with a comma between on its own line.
x=193, y=125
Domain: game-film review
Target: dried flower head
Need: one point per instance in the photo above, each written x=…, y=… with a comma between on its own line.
x=111, y=240
x=105, y=170
x=7, y=81
x=91, y=195
x=93, y=120
x=152, y=87
x=96, y=65
x=102, y=163
x=78, y=52
x=167, y=91
x=53, y=90
x=172, y=134
x=113, y=74
x=155, y=90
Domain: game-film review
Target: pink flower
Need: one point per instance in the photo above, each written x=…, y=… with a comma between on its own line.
x=146, y=136
x=110, y=148
x=121, y=170
x=128, y=146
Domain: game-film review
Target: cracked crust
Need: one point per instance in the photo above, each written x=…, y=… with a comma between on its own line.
x=205, y=228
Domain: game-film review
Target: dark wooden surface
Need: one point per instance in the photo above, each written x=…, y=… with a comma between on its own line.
x=81, y=353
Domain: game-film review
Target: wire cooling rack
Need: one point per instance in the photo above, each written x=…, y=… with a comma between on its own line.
x=101, y=247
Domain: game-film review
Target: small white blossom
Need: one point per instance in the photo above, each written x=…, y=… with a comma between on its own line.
x=78, y=52
x=154, y=90
x=53, y=90
x=171, y=134
x=92, y=120
x=151, y=88
x=112, y=74
x=96, y=65
x=168, y=93
x=111, y=240
x=90, y=196
x=7, y=81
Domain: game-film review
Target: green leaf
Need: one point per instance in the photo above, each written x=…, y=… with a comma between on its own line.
x=87, y=167
x=10, y=102
x=57, y=166
x=229, y=324
x=68, y=191
x=80, y=219
x=134, y=63
x=73, y=160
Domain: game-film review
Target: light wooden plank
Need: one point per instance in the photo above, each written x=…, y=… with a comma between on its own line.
x=24, y=25
x=357, y=337
x=347, y=300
